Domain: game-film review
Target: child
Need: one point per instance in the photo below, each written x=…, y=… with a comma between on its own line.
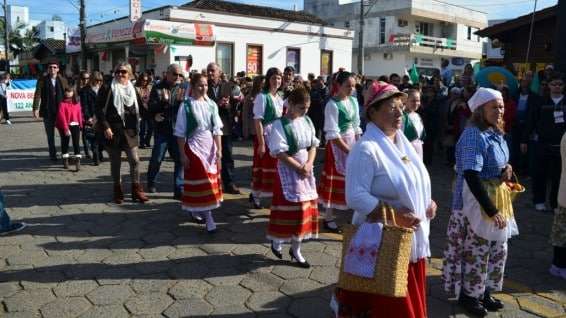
x=69, y=123
x=413, y=126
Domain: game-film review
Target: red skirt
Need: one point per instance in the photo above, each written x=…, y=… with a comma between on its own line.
x=263, y=172
x=332, y=186
x=202, y=190
x=352, y=304
x=291, y=220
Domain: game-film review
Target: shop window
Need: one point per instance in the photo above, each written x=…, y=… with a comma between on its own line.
x=325, y=63
x=225, y=58
x=294, y=59
x=424, y=28
x=254, y=60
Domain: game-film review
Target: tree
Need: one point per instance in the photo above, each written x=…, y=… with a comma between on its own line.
x=22, y=38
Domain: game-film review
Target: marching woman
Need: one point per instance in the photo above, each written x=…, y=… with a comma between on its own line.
x=294, y=212
x=413, y=126
x=384, y=168
x=268, y=106
x=479, y=227
x=342, y=129
x=198, y=130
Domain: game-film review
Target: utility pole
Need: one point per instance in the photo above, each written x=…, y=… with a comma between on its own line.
x=559, y=45
x=361, y=39
x=6, y=37
x=82, y=25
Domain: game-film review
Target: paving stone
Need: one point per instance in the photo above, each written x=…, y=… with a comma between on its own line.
x=121, y=258
x=156, y=253
x=231, y=311
x=160, y=237
x=154, y=303
x=250, y=249
x=109, y=295
x=184, y=254
x=188, y=308
x=290, y=272
x=310, y=307
x=227, y=295
x=262, y=282
x=268, y=301
x=149, y=285
x=28, y=300
x=194, y=288
x=325, y=275
x=65, y=307
x=112, y=311
x=217, y=248
x=21, y=314
x=74, y=288
x=8, y=289
x=540, y=306
x=300, y=287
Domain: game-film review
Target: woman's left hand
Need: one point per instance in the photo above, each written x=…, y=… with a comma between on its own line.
x=507, y=174
x=219, y=159
x=431, y=211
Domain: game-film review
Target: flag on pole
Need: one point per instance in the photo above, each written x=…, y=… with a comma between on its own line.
x=414, y=75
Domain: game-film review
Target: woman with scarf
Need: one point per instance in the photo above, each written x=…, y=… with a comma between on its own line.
x=198, y=130
x=479, y=227
x=342, y=129
x=384, y=168
x=117, y=112
x=294, y=212
x=268, y=106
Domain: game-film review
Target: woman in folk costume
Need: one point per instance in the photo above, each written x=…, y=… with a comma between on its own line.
x=342, y=129
x=384, y=168
x=198, y=130
x=294, y=212
x=478, y=230
x=268, y=106
x=413, y=126
x=558, y=235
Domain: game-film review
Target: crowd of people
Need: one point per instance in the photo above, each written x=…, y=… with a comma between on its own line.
x=379, y=136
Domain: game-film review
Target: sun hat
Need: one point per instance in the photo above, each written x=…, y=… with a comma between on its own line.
x=379, y=91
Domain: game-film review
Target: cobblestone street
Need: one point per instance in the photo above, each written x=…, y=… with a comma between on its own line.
x=82, y=256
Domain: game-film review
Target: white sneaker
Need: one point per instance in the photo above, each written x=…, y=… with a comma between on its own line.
x=540, y=207
x=8, y=122
x=557, y=271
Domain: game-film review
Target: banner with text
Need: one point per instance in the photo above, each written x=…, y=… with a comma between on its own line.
x=20, y=95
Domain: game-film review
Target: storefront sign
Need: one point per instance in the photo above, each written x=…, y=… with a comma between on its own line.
x=135, y=10
x=254, y=60
x=20, y=95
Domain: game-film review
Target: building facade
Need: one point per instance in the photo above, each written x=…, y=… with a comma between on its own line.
x=238, y=37
x=400, y=33
x=51, y=30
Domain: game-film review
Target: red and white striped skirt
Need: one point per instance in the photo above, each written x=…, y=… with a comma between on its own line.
x=202, y=190
x=263, y=172
x=291, y=220
x=332, y=186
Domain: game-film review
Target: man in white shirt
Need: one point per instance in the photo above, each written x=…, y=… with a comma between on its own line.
x=4, y=84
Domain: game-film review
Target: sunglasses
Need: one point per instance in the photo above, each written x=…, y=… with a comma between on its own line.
x=121, y=72
x=178, y=75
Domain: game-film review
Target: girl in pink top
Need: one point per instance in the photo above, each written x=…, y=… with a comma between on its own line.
x=69, y=123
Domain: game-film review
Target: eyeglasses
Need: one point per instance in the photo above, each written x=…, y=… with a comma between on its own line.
x=121, y=72
x=178, y=75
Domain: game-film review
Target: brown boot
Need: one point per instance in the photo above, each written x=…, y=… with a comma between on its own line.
x=138, y=194
x=118, y=193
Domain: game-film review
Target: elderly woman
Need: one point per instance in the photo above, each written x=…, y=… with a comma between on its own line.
x=268, y=106
x=294, y=212
x=384, y=168
x=198, y=130
x=478, y=230
x=558, y=235
x=117, y=110
x=342, y=129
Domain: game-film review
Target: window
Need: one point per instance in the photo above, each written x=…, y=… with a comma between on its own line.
x=469, y=33
x=51, y=29
x=325, y=63
x=254, y=60
x=294, y=59
x=225, y=57
x=381, y=30
x=347, y=24
x=424, y=28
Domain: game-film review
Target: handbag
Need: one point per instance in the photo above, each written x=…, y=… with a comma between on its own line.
x=98, y=126
x=391, y=268
x=502, y=194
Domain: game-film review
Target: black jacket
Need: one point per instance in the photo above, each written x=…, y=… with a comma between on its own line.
x=226, y=113
x=47, y=98
x=541, y=121
x=158, y=104
x=88, y=101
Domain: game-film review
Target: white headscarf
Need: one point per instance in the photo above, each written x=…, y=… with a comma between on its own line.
x=124, y=95
x=483, y=95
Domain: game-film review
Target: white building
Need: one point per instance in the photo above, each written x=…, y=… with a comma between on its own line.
x=51, y=30
x=400, y=33
x=238, y=37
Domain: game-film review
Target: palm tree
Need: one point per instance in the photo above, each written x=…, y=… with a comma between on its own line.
x=23, y=38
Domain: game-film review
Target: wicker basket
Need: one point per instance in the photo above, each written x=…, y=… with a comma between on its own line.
x=392, y=266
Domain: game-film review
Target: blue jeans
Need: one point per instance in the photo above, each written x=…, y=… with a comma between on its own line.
x=146, y=131
x=162, y=144
x=4, y=218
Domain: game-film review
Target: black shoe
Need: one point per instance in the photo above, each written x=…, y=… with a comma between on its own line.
x=13, y=228
x=490, y=303
x=304, y=264
x=472, y=305
x=177, y=196
x=276, y=252
x=151, y=188
x=336, y=230
x=232, y=189
x=255, y=204
x=53, y=158
x=95, y=159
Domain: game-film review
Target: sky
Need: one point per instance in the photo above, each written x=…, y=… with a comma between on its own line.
x=104, y=10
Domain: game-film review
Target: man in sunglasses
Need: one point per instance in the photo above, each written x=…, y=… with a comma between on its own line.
x=548, y=122
x=164, y=101
x=49, y=92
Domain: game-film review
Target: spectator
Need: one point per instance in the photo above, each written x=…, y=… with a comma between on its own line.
x=395, y=80
x=4, y=84
x=143, y=89
x=247, y=109
x=319, y=97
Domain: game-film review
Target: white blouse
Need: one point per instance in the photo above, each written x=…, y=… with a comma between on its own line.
x=331, y=128
x=303, y=131
x=259, y=105
x=204, y=117
x=415, y=118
